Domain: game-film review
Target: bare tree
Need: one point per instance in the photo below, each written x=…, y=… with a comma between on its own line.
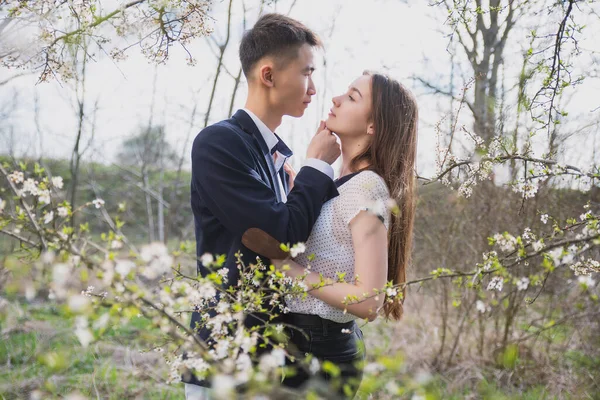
x=80, y=78
x=145, y=152
x=481, y=33
x=156, y=25
x=222, y=48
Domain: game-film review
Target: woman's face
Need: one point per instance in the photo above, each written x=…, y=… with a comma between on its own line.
x=351, y=112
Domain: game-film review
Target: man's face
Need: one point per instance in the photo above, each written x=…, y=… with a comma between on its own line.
x=293, y=85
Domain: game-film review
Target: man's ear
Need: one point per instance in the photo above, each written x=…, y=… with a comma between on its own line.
x=265, y=75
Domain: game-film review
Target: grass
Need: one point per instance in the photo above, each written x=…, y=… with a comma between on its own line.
x=41, y=353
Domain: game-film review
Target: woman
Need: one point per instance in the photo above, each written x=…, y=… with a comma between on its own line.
x=355, y=234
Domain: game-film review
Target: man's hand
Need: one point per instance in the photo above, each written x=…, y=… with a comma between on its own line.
x=324, y=145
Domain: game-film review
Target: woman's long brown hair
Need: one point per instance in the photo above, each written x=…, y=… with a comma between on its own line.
x=391, y=154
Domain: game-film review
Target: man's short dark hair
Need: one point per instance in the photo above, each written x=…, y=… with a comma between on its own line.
x=274, y=35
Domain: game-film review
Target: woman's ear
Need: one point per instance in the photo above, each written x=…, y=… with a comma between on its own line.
x=266, y=75
x=370, y=129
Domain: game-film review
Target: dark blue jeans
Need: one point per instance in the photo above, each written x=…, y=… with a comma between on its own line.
x=326, y=341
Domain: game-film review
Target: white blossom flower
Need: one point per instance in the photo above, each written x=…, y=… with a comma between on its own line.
x=206, y=292
x=556, y=255
x=528, y=188
x=391, y=292
x=82, y=331
x=222, y=387
x=30, y=292
x=506, y=241
x=98, y=203
x=63, y=212
x=88, y=292
x=373, y=368
x=116, y=244
x=480, y=305
x=586, y=280
x=392, y=388
x=299, y=286
x=539, y=245
x=528, y=236
x=78, y=303
x=222, y=307
x=60, y=274
x=85, y=336
x=44, y=196
x=523, y=283
x=48, y=217
x=243, y=366
x=158, y=259
x=47, y=257
x=391, y=204
x=101, y=322
x=124, y=267
x=2, y=205
x=222, y=348
x=297, y=249
x=30, y=186
x=584, y=216
x=16, y=177
x=314, y=366
x=270, y=361
x=567, y=258
x=585, y=267
x=466, y=189
x=544, y=218
x=108, y=271
x=57, y=182
x=223, y=273
x=496, y=284
x=247, y=342
x=207, y=259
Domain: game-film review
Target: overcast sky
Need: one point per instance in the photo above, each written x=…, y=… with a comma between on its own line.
x=389, y=35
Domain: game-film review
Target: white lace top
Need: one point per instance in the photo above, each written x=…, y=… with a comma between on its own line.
x=331, y=241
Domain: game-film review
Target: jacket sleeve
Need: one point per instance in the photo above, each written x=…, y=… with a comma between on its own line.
x=224, y=175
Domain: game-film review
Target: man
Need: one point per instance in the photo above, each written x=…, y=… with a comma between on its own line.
x=238, y=179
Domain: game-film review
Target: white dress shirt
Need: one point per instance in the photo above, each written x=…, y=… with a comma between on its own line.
x=279, y=159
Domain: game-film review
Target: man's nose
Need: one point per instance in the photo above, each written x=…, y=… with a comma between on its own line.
x=311, y=88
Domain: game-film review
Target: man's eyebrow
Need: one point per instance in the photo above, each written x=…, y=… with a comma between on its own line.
x=356, y=90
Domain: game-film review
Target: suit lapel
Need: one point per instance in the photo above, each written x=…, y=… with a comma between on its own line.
x=250, y=127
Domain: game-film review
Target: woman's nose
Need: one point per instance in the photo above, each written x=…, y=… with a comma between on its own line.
x=336, y=101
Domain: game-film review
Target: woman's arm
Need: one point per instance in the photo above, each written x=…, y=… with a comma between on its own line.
x=369, y=238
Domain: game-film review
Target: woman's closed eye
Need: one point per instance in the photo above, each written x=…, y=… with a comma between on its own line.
x=350, y=97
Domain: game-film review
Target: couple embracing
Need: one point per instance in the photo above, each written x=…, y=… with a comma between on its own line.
x=245, y=197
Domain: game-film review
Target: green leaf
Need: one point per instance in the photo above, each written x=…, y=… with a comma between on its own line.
x=331, y=368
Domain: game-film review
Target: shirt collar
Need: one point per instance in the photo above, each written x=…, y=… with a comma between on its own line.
x=270, y=139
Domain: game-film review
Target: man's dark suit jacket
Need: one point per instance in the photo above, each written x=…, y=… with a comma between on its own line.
x=234, y=188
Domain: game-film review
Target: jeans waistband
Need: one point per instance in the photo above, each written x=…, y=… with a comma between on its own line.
x=315, y=321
